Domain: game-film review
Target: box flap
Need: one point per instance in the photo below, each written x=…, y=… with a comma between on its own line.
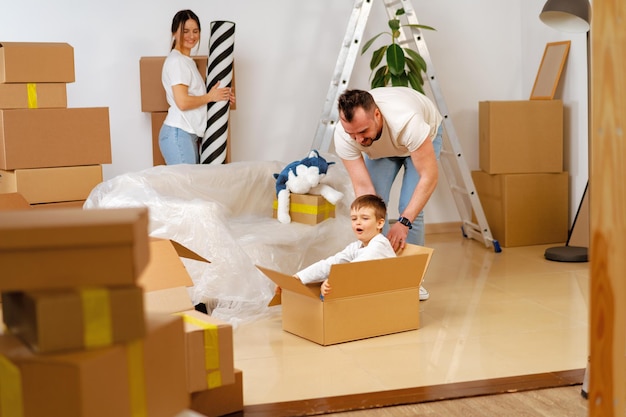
x=166, y=269
x=13, y=201
x=71, y=227
x=290, y=283
x=358, y=278
x=185, y=252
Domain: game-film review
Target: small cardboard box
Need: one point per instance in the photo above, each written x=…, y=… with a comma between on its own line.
x=144, y=377
x=73, y=319
x=152, y=92
x=210, y=354
x=221, y=401
x=51, y=185
x=165, y=279
x=36, y=62
x=524, y=209
x=44, y=138
x=307, y=208
x=72, y=247
x=519, y=137
x=33, y=96
x=369, y=298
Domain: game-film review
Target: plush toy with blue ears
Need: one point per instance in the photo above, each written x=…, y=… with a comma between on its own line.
x=305, y=176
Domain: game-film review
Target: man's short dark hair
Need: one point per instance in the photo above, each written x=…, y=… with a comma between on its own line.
x=350, y=100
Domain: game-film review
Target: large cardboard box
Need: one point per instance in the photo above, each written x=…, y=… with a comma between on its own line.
x=145, y=377
x=157, y=119
x=51, y=185
x=518, y=137
x=33, y=96
x=72, y=247
x=36, y=62
x=165, y=280
x=152, y=92
x=307, y=208
x=369, y=298
x=524, y=209
x=221, y=401
x=209, y=351
x=43, y=138
x=73, y=319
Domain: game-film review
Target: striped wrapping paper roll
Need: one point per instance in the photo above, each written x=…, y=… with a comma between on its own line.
x=220, y=68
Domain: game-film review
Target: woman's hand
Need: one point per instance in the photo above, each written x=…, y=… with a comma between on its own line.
x=220, y=94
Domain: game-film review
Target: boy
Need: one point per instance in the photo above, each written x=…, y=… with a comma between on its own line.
x=368, y=213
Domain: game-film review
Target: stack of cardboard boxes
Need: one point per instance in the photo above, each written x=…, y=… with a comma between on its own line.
x=49, y=153
x=521, y=184
x=99, y=321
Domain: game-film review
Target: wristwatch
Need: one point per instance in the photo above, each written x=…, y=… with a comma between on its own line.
x=405, y=222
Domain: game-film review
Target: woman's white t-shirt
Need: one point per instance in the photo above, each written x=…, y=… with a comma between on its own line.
x=181, y=69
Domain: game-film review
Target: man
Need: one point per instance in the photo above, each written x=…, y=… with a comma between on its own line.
x=382, y=131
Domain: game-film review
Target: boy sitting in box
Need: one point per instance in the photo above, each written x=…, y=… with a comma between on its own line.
x=368, y=213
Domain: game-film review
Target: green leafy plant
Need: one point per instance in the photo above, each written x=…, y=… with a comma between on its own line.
x=402, y=66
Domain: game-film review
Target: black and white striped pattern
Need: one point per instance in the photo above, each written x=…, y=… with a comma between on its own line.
x=220, y=68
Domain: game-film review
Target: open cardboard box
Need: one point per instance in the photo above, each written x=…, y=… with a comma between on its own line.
x=369, y=298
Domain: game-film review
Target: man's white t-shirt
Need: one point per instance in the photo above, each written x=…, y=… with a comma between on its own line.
x=409, y=118
x=181, y=69
x=377, y=248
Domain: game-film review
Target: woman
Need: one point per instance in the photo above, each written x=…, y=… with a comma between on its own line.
x=186, y=94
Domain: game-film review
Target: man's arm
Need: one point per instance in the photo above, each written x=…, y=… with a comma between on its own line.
x=425, y=163
x=360, y=176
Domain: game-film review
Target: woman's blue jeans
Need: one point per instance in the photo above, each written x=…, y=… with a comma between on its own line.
x=178, y=146
x=383, y=172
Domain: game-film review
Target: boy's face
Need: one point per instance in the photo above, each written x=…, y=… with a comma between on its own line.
x=365, y=225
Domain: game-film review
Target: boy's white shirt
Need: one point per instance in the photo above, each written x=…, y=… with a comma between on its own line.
x=379, y=247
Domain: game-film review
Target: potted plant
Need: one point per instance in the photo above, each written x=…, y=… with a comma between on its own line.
x=402, y=66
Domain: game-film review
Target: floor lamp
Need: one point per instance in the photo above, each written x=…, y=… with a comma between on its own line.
x=569, y=16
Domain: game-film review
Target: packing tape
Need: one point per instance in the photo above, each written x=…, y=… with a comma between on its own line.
x=10, y=389
x=211, y=350
x=136, y=378
x=32, y=95
x=96, y=317
x=326, y=208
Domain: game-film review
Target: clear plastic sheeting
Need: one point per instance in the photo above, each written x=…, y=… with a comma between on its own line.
x=224, y=213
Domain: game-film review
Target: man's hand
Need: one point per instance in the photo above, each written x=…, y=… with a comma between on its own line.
x=397, y=236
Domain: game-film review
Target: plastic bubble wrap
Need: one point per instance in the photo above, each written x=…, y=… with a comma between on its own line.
x=224, y=213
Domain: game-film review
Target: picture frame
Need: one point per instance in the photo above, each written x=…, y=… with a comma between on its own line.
x=550, y=69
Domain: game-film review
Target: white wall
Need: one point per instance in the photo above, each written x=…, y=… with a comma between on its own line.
x=285, y=53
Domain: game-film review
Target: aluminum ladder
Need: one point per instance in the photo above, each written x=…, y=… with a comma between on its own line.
x=474, y=224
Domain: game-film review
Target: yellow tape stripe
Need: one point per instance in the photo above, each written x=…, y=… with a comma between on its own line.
x=96, y=317
x=136, y=379
x=10, y=389
x=325, y=208
x=32, y=95
x=211, y=350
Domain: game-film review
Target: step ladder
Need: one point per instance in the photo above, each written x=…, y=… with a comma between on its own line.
x=474, y=224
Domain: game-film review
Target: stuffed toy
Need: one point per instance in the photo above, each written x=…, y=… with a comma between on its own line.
x=305, y=176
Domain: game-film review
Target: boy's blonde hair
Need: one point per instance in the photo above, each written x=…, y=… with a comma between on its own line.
x=371, y=201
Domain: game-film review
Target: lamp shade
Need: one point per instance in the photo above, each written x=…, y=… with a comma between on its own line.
x=567, y=15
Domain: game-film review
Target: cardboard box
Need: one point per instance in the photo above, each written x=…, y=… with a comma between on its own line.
x=221, y=401
x=44, y=138
x=210, y=353
x=51, y=185
x=145, y=377
x=524, y=209
x=307, y=208
x=157, y=120
x=63, y=204
x=33, y=96
x=73, y=319
x=13, y=201
x=72, y=247
x=36, y=62
x=152, y=92
x=165, y=279
x=522, y=137
x=369, y=298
